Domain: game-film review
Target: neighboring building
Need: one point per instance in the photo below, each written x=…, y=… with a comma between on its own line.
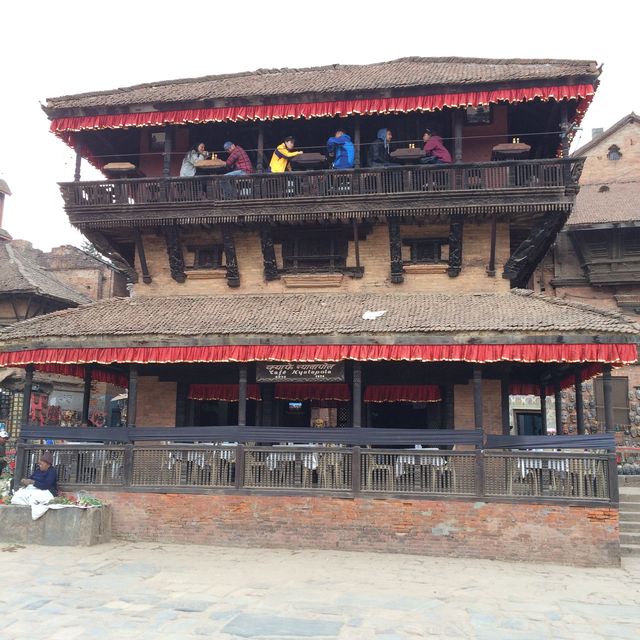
x=596, y=259
x=35, y=283
x=380, y=304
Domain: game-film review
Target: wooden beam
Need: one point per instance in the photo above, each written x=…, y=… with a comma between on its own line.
x=168, y=148
x=543, y=406
x=557, y=396
x=182, y=391
x=268, y=253
x=233, y=273
x=356, y=395
x=356, y=243
x=146, y=277
x=86, y=394
x=174, y=254
x=579, y=403
x=260, y=150
x=356, y=142
x=76, y=173
x=395, y=250
x=132, y=400
x=477, y=399
x=448, y=407
x=607, y=392
x=242, y=396
x=504, y=405
x=105, y=246
x=491, y=268
x=26, y=395
x=457, y=116
x=456, y=227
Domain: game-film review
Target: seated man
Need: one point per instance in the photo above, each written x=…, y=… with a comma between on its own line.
x=45, y=476
x=280, y=160
x=378, y=155
x=342, y=149
x=238, y=160
x=436, y=152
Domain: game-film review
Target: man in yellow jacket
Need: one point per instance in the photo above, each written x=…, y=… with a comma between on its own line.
x=282, y=155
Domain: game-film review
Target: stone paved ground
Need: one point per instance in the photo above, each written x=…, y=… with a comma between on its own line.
x=134, y=590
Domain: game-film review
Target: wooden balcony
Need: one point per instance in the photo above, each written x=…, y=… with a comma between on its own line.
x=480, y=188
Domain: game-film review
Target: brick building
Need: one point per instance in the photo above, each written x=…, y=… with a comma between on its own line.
x=378, y=310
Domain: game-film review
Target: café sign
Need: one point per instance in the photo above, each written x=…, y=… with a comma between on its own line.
x=300, y=372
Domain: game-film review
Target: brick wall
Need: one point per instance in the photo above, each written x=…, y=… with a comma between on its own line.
x=156, y=405
x=491, y=406
x=524, y=532
x=374, y=256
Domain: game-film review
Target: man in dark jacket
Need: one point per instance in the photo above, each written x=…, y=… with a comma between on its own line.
x=435, y=151
x=45, y=476
x=378, y=155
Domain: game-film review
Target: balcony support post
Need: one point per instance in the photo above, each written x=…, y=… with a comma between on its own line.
x=458, y=116
x=356, y=141
x=76, y=175
x=491, y=269
x=260, y=150
x=86, y=395
x=242, y=396
x=233, y=274
x=395, y=249
x=557, y=394
x=357, y=395
x=607, y=393
x=174, y=253
x=579, y=404
x=455, y=246
x=166, y=154
x=268, y=253
x=478, y=418
x=132, y=393
x=146, y=276
x=543, y=406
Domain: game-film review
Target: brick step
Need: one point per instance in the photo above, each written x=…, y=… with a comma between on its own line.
x=629, y=516
x=630, y=538
x=630, y=494
x=629, y=527
x=629, y=506
x=630, y=550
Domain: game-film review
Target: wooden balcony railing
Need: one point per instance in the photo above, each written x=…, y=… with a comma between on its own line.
x=334, y=467
x=291, y=186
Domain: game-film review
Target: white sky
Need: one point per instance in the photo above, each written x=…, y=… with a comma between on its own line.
x=68, y=46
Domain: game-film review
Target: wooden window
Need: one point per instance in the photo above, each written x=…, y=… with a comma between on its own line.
x=598, y=244
x=631, y=243
x=528, y=423
x=614, y=152
x=620, y=398
x=207, y=257
x=426, y=250
x=314, y=253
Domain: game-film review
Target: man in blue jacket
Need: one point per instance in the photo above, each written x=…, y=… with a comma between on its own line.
x=342, y=148
x=45, y=476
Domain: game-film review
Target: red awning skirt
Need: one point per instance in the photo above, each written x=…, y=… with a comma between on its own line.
x=77, y=371
x=402, y=393
x=226, y=392
x=616, y=354
x=313, y=391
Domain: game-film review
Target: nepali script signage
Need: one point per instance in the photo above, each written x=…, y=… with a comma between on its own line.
x=300, y=372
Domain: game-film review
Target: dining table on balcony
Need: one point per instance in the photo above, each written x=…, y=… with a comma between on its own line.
x=212, y=165
x=407, y=155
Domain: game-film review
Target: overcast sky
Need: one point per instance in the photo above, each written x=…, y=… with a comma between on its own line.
x=64, y=47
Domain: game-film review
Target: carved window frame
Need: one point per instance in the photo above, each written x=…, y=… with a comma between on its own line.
x=199, y=252
x=613, y=153
x=435, y=244
x=294, y=259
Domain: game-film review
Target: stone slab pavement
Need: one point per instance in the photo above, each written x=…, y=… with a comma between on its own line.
x=127, y=590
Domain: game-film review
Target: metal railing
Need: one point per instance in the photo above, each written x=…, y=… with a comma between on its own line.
x=335, y=468
x=468, y=177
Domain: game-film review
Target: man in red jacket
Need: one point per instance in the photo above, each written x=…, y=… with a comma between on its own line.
x=238, y=160
x=435, y=151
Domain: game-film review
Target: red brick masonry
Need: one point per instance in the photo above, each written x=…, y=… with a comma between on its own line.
x=585, y=536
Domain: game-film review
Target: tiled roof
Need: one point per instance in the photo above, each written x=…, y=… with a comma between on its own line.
x=606, y=203
x=628, y=119
x=319, y=314
x=20, y=273
x=404, y=73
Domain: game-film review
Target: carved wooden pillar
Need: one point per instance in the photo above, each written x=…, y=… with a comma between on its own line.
x=146, y=276
x=174, y=253
x=168, y=148
x=607, y=393
x=242, y=396
x=86, y=395
x=268, y=253
x=458, y=116
x=543, y=406
x=233, y=274
x=455, y=246
x=76, y=175
x=395, y=248
x=504, y=405
x=579, y=404
x=132, y=400
x=26, y=394
x=260, y=150
x=478, y=420
x=357, y=395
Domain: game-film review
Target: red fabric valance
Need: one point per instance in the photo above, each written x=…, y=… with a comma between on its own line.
x=616, y=354
x=402, y=393
x=313, y=391
x=228, y=392
x=532, y=389
x=77, y=371
x=581, y=92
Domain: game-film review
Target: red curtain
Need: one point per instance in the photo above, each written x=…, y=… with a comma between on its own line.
x=527, y=388
x=616, y=354
x=313, y=391
x=402, y=393
x=77, y=371
x=582, y=92
x=228, y=392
